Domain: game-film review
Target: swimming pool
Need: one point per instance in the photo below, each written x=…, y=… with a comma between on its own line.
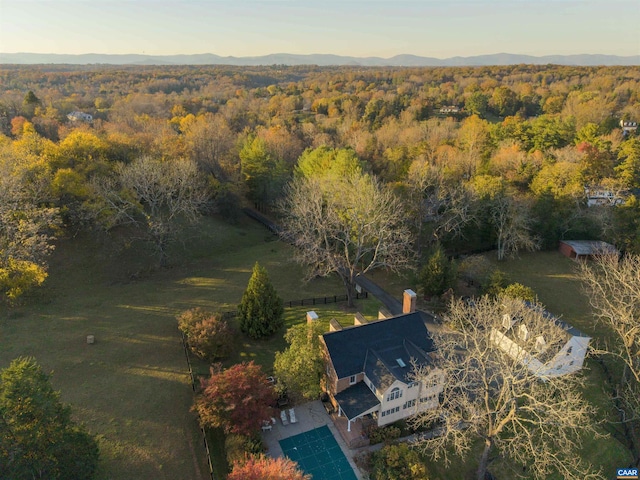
x=317, y=453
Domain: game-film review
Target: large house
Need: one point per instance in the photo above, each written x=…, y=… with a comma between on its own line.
x=561, y=353
x=602, y=196
x=370, y=366
x=80, y=117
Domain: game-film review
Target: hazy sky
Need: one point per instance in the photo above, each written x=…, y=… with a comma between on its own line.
x=436, y=28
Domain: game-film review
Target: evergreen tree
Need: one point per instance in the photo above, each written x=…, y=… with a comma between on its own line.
x=438, y=274
x=37, y=437
x=261, y=310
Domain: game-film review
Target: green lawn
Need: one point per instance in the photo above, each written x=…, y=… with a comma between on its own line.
x=131, y=388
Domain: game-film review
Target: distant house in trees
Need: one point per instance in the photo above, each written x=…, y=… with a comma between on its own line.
x=585, y=249
x=543, y=357
x=80, y=117
x=450, y=110
x=602, y=196
x=369, y=367
x=628, y=127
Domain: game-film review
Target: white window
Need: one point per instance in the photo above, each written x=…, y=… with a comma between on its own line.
x=352, y=379
x=394, y=395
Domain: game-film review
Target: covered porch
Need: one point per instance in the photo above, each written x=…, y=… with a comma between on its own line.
x=354, y=405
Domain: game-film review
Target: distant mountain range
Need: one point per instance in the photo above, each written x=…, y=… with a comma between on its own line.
x=315, y=59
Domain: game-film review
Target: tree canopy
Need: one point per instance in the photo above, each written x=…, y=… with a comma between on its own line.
x=237, y=399
x=299, y=368
x=345, y=227
x=267, y=468
x=38, y=439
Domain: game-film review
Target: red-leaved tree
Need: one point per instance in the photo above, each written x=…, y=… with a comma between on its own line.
x=266, y=468
x=237, y=399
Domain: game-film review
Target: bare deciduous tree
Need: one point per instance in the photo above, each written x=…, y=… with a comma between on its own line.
x=613, y=287
x=511, y=219
x=347, y=226
x=155, y=195
x=493, y=396
x=434, y=198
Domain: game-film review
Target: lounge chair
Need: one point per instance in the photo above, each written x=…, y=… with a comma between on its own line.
x=292, y=415
x=283, y=417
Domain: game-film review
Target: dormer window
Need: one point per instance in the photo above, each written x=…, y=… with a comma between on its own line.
x=523, y=333
x=506, y=321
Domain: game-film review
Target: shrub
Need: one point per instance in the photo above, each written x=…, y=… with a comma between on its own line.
x=382, y=434
x=208, y=335
x=519, y=292
x=399, y=461
x=496, y=283
x=237, y=447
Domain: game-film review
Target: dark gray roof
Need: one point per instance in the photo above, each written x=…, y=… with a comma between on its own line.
x=356, y=400
x=590, y=247
x=385, y=366
x=405, y=336
x=571, y=330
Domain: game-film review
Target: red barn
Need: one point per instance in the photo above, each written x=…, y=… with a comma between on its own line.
x=584, y=249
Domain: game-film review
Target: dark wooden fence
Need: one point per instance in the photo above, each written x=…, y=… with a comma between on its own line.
x=323, y=300
x=257, y=216
x=194, y=387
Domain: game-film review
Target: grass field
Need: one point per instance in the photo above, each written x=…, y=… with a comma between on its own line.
x=131, y=387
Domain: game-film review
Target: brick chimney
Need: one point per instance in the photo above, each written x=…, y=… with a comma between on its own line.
x=312, y=316
x=409, y=298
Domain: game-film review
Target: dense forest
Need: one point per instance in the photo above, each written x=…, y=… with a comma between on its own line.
x=482, y=158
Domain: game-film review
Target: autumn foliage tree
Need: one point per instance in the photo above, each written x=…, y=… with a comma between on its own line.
x=237, y=399
x=208, y=335
x=267, y=468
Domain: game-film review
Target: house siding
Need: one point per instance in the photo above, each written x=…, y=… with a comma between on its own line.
x=559, y=365
x=410, y=395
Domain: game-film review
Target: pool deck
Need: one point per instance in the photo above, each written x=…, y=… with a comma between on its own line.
x=309, y=416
